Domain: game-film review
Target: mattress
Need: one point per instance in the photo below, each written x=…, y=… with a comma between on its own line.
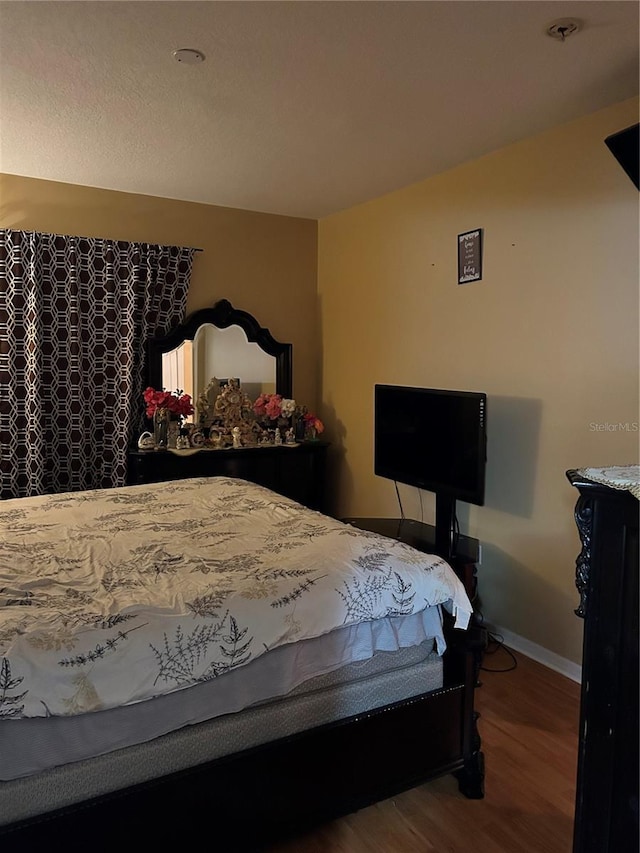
x=151, y=628
x=30, y=745
x=113, y=597
x=385, y=678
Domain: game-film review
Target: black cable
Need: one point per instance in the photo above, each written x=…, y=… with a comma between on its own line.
x=399, y=501
x=498, y=641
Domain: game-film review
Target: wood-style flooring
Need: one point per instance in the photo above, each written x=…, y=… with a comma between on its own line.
x=529, y=728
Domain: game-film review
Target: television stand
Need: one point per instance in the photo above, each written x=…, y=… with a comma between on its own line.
x=445, y=526
x=423, y=537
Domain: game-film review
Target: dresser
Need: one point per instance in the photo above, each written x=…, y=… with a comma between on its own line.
x=606, y=812
x=298, y=472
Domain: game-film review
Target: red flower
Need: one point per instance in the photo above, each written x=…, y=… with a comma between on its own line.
x=313, y=422
x=177, y=403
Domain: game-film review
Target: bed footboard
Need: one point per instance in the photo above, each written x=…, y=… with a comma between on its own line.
x=275, y=790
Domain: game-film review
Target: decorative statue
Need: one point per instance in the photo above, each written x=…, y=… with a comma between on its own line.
x=196, y=439
x=278, y=436
x=146, y=441
x=206, y=402
x=234, y=409
x=237, y=441
x=182, y=442
x=290, y=437
x=216, y=439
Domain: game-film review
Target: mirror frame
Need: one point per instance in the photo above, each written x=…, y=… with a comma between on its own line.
x=223, y=315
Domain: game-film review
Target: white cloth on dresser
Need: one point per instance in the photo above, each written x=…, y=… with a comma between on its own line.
x=625, y=477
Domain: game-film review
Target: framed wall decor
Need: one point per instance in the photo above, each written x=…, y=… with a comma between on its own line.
x=470, y=256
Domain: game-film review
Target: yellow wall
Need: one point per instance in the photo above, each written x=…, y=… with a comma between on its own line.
x=550, y=333
x=262, y=263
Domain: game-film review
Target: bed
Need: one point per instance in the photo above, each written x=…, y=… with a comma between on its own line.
x=207, y=652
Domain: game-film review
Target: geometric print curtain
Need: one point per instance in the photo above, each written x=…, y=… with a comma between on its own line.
x=75, y=316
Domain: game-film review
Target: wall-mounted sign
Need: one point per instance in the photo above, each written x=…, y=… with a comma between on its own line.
x=470, y=256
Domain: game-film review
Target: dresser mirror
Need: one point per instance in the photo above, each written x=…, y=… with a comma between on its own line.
x=213, y=346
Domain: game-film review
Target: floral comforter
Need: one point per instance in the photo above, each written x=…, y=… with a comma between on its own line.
x=110, y=597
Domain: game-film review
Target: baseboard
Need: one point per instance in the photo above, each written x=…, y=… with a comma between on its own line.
x=538, y=653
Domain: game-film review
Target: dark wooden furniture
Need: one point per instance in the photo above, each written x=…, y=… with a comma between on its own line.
x=606, y=814
x=250, y=798
x=273, y=791
x=223, y=315
x=297, y=472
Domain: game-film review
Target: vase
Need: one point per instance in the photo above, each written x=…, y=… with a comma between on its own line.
x=173, y=431
x=299, y=428
x=161, y=428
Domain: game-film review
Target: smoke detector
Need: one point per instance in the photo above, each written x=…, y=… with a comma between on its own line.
x=188, y=56
x=563, y=28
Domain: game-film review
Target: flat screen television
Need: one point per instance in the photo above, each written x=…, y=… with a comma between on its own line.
x=625, y=147
x=436, y=440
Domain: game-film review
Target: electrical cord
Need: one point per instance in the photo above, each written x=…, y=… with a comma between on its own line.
x=497, y=641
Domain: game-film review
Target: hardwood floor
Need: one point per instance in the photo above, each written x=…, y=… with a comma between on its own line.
x=529, y=728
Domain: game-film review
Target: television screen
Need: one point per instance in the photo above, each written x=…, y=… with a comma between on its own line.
x=625, y=147
x=433, y=439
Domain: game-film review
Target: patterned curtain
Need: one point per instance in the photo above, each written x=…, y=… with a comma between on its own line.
x=75, y=316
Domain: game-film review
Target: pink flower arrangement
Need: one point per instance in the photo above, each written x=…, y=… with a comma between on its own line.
x=268, y=405
x=177, y=403
x=274, y=406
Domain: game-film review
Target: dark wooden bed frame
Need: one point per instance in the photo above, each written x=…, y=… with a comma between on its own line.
x=249, y=799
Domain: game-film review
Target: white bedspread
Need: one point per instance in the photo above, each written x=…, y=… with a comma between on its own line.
x=111, y=597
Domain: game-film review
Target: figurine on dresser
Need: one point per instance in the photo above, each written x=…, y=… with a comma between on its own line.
x=233, y=411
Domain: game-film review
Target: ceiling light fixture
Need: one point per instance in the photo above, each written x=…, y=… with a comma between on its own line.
x=188, y=55
x=563, y=28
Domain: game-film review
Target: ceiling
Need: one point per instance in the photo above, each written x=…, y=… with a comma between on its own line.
x=300, y=108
